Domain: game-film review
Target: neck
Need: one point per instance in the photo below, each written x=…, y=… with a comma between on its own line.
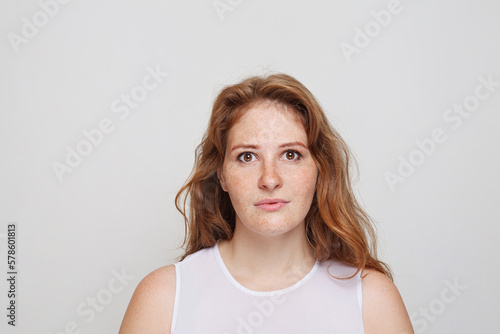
x=267, y=262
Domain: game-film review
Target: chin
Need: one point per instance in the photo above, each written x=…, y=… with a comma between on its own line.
x=270, y=229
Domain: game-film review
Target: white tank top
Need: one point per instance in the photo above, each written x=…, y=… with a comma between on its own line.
x=208, y=300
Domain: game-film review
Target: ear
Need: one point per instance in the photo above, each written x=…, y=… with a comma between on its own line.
x=221, y=179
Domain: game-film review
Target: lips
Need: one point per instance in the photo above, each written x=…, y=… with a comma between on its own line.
x=271, y=204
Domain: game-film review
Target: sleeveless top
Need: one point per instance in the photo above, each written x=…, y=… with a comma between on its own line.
x=208, y=300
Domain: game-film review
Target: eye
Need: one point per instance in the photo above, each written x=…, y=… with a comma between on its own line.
x=246, y=157
x=291, y=155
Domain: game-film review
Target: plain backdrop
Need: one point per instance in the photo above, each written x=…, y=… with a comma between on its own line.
x=390, y=75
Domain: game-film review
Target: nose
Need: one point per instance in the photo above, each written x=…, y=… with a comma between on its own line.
x=270, y=178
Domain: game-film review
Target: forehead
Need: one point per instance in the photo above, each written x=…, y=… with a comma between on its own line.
x=268, y=121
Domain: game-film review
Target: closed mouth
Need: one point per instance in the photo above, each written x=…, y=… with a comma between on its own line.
x=271, y=201
x=271, y=205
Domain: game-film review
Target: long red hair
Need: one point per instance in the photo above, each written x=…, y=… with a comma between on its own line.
x=336, y=225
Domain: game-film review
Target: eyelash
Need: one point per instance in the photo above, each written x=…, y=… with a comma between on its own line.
x=298, y=156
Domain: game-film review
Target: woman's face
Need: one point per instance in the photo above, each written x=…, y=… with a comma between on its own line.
x=268, y=170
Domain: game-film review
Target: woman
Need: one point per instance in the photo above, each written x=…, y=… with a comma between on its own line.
x=276, y=241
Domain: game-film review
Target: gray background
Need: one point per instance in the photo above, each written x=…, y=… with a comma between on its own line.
x=114, y=212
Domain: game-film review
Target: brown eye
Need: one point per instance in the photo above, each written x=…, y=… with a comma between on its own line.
x=291, y=155
x=246, y=157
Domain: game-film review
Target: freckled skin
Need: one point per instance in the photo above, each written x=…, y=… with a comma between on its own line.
x=266, y=170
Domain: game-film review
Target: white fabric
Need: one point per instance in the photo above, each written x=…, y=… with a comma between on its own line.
x=208, y=300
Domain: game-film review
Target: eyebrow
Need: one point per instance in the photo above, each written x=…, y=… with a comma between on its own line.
x=250, y=146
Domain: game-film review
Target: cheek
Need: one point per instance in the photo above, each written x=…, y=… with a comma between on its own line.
x=306, y=182
x=235, y=183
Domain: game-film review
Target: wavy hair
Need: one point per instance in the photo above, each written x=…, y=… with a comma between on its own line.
x=336, y=225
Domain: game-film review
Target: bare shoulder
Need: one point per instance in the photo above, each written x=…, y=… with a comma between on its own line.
x=383, y=308
x=151, y=306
